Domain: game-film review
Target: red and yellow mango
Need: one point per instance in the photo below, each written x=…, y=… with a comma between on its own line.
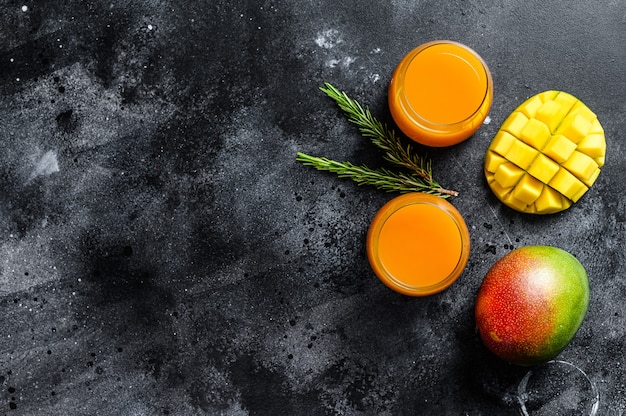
x=531, y=303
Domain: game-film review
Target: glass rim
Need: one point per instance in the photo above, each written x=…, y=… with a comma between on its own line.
x=416, y=116
x=388, y=210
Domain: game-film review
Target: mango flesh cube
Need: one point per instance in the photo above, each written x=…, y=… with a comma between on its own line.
x=499, y=191
x=566, y=101
x=502, y=143
x=528, y=189
x=583, y=111
x=575, y=127
x=568, y=185
x=593, y=145
x=530, y=106
x=521, y=154
x=559, y=148
x=596, y=127
x=592, y=178
x=492, y=161
x=579, y=193
x=549, y=201
x=580, y=165
x=600, y=161
x=566, y=202
x=507, y=174
x=535, y=133
x=515, y=203
x=543, y=168
x=546, y=155
x=550, y=114
x=514, y=124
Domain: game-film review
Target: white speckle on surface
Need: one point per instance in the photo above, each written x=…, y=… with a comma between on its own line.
x=47, y=165
x=487, y=120
x=150, y=27
x=344, y=62
x=328, y=39
x=24, y=8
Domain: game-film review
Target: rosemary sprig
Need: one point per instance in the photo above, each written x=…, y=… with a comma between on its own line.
x=420, y=178
x=383, y=137
x=381, y=178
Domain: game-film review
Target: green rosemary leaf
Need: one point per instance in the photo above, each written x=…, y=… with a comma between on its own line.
x=420, y=178
x=383, y=137
x=381, y=178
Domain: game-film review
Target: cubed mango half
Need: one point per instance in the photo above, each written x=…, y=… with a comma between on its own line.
x=546, y=154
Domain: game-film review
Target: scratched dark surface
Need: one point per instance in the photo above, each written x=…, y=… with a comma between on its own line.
x=162, y=253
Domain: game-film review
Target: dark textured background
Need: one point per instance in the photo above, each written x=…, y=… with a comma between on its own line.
x=161, y=252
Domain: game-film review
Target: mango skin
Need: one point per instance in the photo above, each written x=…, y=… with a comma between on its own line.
x=531, y=303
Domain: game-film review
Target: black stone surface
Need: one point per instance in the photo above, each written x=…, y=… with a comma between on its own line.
x=162, y=253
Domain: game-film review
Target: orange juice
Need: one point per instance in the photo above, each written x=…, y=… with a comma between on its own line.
x=440, y=93
x=418, y=244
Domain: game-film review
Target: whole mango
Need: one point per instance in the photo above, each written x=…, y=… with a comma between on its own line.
x=531, y=303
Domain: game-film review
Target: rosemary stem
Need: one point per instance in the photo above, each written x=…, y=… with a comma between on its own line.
x=419, y=177
x=381, y=178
